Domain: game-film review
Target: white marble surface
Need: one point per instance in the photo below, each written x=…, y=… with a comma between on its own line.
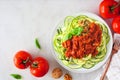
x=21, y=21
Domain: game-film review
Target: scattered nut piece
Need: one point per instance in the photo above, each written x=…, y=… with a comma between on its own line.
x=67, y=77
x=57, y=73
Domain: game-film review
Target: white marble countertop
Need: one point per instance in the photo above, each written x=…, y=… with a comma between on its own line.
x=21, y=21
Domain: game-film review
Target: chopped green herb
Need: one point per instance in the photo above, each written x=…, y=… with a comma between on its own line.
x=16, y=76
x=59, y=31
x=37, y=43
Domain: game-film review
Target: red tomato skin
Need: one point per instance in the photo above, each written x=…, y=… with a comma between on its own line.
x=42, y=67
x=108, y=0
x=21, y=56
x=116, y=24
x=105, y=9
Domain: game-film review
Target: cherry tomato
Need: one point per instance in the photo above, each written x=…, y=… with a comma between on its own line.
x=22, y=59
x=116, y=24
x=109, y=9
x=39, y=67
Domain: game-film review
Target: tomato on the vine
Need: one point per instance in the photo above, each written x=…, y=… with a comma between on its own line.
x=39, y=67
x=22, y=59
x=116, y=24
x=109, y=9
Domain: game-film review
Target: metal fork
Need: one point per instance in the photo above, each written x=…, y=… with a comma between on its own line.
x=116, y=47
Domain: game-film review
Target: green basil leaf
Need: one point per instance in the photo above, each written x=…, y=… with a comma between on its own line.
x=68, y=36
x=37, y=43
x=77, y=31
x=16, y=76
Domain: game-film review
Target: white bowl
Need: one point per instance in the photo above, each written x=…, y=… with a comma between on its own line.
x=109, y=46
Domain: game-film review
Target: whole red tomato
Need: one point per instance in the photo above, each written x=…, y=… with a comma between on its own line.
x=109, y=9
x=116, y=24
x=22, y=59
x=39, y=67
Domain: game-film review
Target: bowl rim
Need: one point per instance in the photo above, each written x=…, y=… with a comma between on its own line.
x=97, y=66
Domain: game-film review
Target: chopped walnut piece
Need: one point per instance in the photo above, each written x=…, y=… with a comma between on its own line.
x=67, y=77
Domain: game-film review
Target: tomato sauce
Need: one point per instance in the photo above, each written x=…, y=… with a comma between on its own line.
x=85, y=44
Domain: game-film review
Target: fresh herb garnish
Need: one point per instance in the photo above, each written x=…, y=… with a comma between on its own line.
x=77, y=31
x=67, y=36
x=16, y=76
x=59, y=31
x=37, y=43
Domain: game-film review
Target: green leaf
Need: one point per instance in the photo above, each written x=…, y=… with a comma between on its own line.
x=37, y=43
x=68, y=36
x=77, y=31
x=16, y=76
